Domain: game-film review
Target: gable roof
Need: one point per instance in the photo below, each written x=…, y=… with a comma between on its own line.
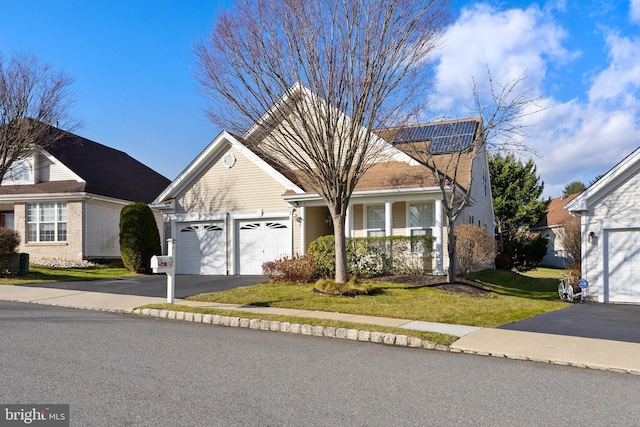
x=556, y=213
x=104, y=170
x=616, y=176
x=211, y=152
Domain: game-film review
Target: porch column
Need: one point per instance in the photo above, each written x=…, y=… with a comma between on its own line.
x=348, y=222
x=303, y=234
x=388, y=218
x=437, y=244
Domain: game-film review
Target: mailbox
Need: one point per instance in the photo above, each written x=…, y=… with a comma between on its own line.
x=162, y=264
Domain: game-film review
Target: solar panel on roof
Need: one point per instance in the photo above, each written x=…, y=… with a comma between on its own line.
x=445, y=137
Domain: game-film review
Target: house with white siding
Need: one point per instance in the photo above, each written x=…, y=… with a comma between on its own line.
x=609, y=212
x=65, y=200
x=231, y=210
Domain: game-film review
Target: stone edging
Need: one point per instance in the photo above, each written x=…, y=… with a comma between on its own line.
x=293, y=328
x=343, y=333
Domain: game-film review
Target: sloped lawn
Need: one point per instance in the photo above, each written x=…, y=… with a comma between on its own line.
x=513, y=297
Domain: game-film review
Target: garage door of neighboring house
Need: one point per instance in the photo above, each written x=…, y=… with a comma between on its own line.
x=260, y=241
x=201, y=248
x=622, y=265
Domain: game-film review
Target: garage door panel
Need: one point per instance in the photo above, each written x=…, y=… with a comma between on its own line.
x=201, y=248
x=260, y=241
x=623, y=265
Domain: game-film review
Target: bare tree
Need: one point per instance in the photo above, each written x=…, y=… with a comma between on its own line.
x=501, y=128
x=570, y=235
x=476, y=248
x=34, y=100
x=307, y=82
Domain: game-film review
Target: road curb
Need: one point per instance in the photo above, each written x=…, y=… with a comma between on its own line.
x=294, y=328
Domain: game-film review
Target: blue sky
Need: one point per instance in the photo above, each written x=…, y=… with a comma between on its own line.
x=133, y=67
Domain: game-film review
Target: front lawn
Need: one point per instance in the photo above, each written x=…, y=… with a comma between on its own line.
x=514, y=297
x=40, y=274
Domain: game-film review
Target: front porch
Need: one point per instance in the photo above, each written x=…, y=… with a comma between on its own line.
x=375, y=217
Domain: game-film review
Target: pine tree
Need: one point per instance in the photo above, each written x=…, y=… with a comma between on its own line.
x=517, y=192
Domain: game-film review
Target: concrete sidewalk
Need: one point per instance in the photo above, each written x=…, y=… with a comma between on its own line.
x=600, y=354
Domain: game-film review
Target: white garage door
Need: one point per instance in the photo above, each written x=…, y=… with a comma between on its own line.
x=201, y=248
x=623, y=265
x=260, y=241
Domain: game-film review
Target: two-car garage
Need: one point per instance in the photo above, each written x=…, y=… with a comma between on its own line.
x=205, y=247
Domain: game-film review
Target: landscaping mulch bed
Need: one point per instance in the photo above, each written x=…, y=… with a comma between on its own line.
x=461, y=285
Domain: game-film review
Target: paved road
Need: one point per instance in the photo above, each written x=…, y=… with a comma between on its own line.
x=619, y=322
x=116, y=369
x=156, y=285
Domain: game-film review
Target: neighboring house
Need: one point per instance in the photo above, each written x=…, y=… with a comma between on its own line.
x=610, y=226
x=231, y=210
x=65, y=200
x=551, y=227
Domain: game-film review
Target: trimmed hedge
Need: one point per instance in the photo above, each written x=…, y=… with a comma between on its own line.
x=9, y=242
x=374, y=256
x=139, y=237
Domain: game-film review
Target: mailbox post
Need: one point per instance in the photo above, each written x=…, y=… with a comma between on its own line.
x=164, y=264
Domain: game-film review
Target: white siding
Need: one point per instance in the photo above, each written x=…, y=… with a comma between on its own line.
x=616, y=210
x=244, y=186
x=49, y=171
x=102, y=225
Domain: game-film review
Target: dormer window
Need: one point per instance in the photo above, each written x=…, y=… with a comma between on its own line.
x=20, y=172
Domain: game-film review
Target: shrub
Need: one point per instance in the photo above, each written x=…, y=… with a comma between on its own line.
x=9, y=242
x=139, y=237
x=529, y=251
x=570, y=235
x=475, y=248
x=374, y=256
x=352, y=288
x=297, y=269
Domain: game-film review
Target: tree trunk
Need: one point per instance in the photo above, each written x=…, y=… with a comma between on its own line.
x=451, y=246
x=341, y=248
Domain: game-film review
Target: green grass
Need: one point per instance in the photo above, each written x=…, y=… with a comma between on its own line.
x=515, y=297
x=39, y=274
x=433, y=337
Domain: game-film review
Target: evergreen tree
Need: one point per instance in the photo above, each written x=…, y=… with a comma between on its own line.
x=139, y=237
x=573, y=187
x=517, y=192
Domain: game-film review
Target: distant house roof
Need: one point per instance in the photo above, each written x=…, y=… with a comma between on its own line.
x=556, y=213
x=106, y=172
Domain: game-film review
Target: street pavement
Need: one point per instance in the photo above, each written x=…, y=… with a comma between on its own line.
x=598, y=336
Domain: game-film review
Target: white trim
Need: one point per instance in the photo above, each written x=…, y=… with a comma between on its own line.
x=196, y=217
x=583, y=201
x=72, y=197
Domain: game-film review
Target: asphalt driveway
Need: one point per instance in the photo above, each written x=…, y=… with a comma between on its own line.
x=619, y=322
x=156, y=285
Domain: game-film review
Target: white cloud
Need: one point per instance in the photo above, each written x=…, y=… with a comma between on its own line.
x=578, y=137
x=509, y=43
x=634, y=10
x=622, y=77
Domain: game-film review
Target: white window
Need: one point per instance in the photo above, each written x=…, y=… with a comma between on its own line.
x=47, y=222
x=421, y=219
x=19, y=173
x=471, y=219
x=375, y=221
x=484, y=183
